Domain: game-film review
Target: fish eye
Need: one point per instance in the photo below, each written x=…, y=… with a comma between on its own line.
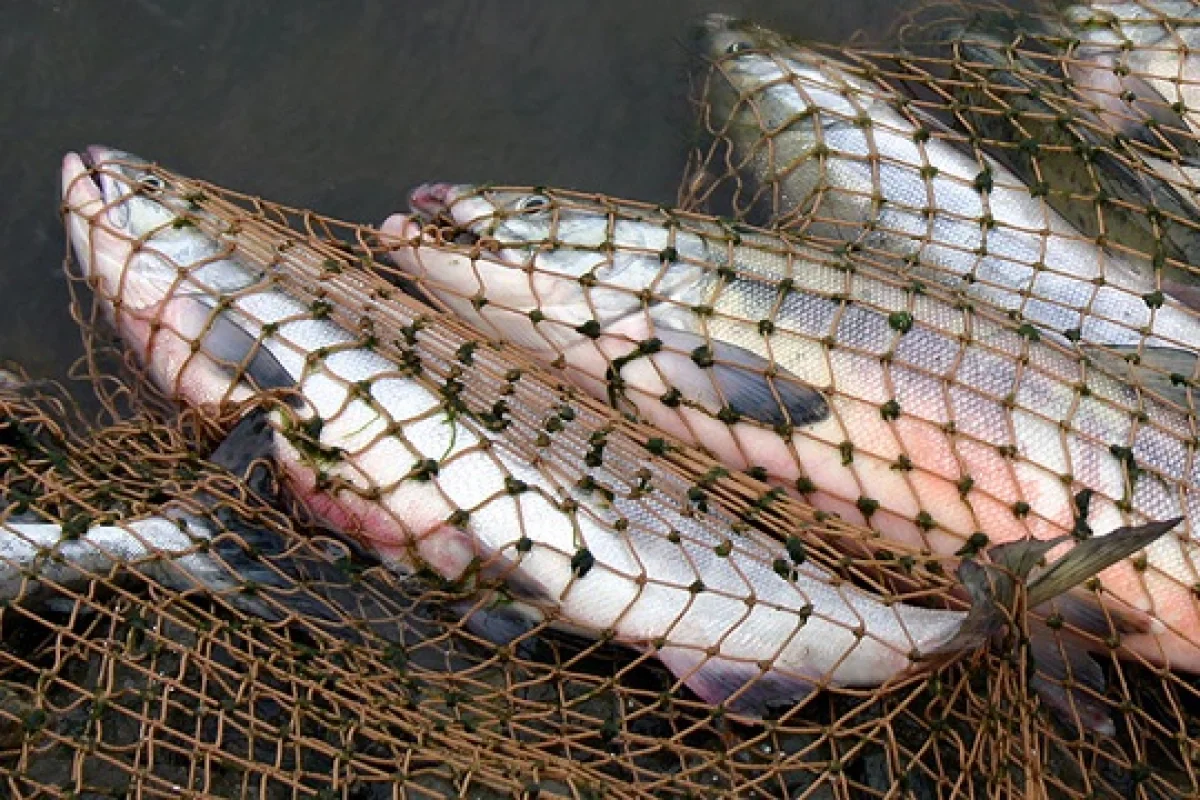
x=152, y=184
x=533, y=204
x=737, y=47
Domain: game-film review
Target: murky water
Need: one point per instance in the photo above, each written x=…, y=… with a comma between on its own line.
x=342, y=106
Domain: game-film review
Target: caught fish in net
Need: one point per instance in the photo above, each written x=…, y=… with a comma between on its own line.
x=803, y=654
x=1039, y=162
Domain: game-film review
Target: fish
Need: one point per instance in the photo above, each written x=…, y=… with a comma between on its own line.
x=1138, y=60
x=826, y=153
x=201, y=542
x=1014, y=80
x=891, y=403
x=410, y=450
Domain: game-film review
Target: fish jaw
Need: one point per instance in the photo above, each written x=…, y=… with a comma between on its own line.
x=102, y=253
x=461, y=204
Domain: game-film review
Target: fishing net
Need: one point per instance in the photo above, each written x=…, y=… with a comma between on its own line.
x=1039, y=160
x=307, y=667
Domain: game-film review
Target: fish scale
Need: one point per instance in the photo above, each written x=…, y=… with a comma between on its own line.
x=942, y=419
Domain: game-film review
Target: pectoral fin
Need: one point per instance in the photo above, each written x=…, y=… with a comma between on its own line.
x=1148, y=120
x=718, y=374
x=236, y=349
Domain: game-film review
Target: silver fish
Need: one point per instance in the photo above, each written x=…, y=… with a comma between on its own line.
x=1014, y=80
x=836, y=156
x=194, y=543
x=1139, y=60
x=887, y=402
x=388, y=443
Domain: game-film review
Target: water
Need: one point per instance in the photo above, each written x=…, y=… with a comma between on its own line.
x=341, y=107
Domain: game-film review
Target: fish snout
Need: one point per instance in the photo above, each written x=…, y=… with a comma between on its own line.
x=430, y=199
x=96, y=154
x=80, y=185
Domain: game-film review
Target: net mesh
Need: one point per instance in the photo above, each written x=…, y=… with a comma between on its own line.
x=395, y=694
x=917, y=357
x=844, y=321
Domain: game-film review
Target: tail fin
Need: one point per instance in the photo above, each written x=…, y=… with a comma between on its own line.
x=993, y=590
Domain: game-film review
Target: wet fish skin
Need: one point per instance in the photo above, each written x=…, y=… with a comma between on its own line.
x=840, y=159
x=940, y=420
x=1144, y=50
x=408, y=467
x=1010, y=76
x=1140, y=61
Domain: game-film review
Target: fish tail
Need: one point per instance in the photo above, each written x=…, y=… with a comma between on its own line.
x=1068, y=680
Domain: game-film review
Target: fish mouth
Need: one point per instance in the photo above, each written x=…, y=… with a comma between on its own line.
x=431, y=204
x=83, y=175
x=88, y=159
x=81, y=185
x=94, y=157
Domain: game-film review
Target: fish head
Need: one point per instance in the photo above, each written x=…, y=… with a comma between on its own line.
x=719, y=36
x=157, y=276
x=127, y=234
x=760, y=79
x=566, y=259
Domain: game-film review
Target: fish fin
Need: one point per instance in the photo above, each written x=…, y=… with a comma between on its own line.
x=1021, y=558
x=743, y=687
x=985, y=618
x=1150, y=120
x=750, y=385
x=1063, y=657
x=500, y=624
x=236, y=349
x=992, y=586
x=277, y=579
x=1092, y=556
x=1163, y=126
x=261, y=571
x=1066, y=677
x=1185, y=291
x=246, y=448
x=1162, y=370
x=1089, y=615
x=1143, y=188
x=1074, y=707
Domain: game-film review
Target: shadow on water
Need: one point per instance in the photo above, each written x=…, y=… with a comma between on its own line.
x=341, y=107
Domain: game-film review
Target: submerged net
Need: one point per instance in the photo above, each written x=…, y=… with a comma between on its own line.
x=360, y=683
